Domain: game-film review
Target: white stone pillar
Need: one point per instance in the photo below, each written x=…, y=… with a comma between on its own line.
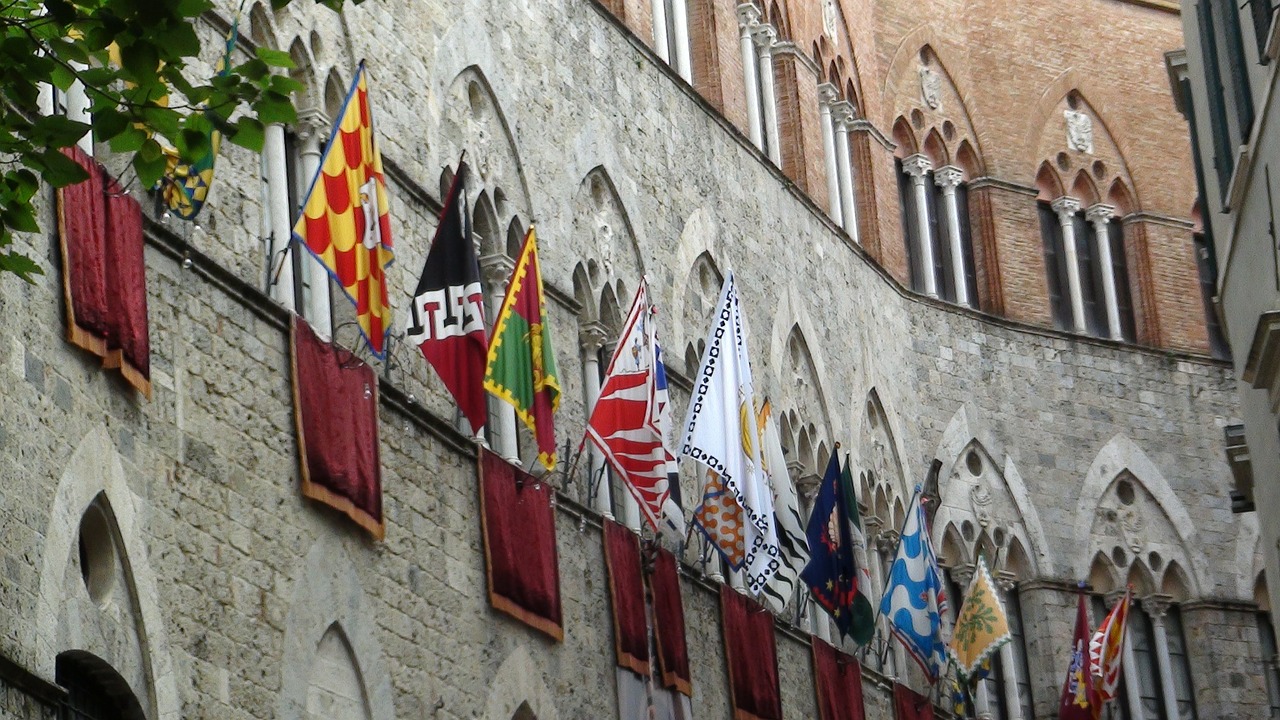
x=1100, y=216
x=1066, y=207
x=312, y=124
x=497, y=272
x=1008, y=661
x=842, y=115
x=748, y=18
x=591, y=339
x=1129, y=667
x=917, y=166
x=277, y=164
x=827, y=96
x=660, y=42
x=765, y=36
x=1156, y=606
x=78, y=109
x=948, y=178
x=680, y=23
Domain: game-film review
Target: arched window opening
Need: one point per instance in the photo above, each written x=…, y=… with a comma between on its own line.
x=95, y=691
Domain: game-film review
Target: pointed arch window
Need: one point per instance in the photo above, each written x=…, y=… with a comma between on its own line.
x=935, y=226
x=1087, y=270
x=1270, y=661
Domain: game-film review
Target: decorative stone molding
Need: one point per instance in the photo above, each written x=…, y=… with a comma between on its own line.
x=1100, y=213
x=828, y=94
x=1006, y=581
x=917, y=165
x=948, y=176
x=748, y=14
x=1065, y=206
x=1156, y=605
x=830, y=18
x=312, y=122
x=1079, y=131
x=592, y=337
x=931, y=87
x=496, y=268
x=765, y=36
x=843, y=114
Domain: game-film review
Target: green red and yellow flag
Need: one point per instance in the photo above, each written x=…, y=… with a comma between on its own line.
x=522, y=367
x=345, y=220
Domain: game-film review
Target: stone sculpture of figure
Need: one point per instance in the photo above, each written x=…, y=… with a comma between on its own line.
x=1079, y=131
x=931, y=87
x=829, y=18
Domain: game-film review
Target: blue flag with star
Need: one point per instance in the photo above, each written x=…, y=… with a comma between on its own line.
x=832, y=571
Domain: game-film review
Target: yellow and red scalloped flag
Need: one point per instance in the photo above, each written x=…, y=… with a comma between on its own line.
x=345, y=220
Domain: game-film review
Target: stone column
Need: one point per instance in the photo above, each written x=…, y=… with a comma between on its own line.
x=1156, y=606
x=1008, y=661
x=948, y=178
x=887, y=547
x=765, y=36
x=312, y=125
x=807, y=489
x=680, y=18
x=277, y=165
x=917, y=166
x=1066, y=207
x=660, y=43
x=78, y=109
x=590, y=340
x=1099, y=216
x=748, y=18
x=827, y=96
x=496, y=269
x=842, y=115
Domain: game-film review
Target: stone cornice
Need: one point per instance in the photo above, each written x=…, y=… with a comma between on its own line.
x=1004, y=185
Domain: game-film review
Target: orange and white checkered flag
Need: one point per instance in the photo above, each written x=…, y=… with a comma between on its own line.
x=345, y=220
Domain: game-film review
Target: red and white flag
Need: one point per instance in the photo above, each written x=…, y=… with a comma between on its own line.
x=628, y=420
x=1106, y=649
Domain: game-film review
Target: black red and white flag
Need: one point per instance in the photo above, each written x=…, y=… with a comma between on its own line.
x=446, y=318
x=628, y=421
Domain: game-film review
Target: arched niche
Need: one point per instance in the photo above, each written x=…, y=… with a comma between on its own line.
x=336, y=689
x=701, y=294
x=330, y=627
x=602, y=236
x=518, y=690
x=123, y=625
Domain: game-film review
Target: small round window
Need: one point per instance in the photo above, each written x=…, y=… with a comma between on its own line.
x=97, y=553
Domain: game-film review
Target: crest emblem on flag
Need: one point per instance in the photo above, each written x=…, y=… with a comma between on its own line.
x=721, y=434
x=1079, y=699
x=915, y=599
x=346, y=221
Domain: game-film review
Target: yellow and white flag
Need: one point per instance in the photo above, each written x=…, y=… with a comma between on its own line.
x=721, y=433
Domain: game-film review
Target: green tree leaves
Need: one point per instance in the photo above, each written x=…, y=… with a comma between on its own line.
x=133, y=58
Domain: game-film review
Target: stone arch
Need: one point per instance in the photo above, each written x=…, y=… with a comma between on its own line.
x=1102, y=575
x=697, y=238
x=968, y=161
x=701, y=293
x=96, y=470
x=1047, y=138
x=303, y=71
x=935, y=149
x=519, y=690
x=602, y=233
x=473, y=120
x=327, y=592
x=789, y=319
x=262, y=29
x=882, y=460
x=1017, y=512
x=91, y=680
x=1120, y=459
x=336, y=690
x=1048, y=183
x=335, y=93
x=925, y=48
x=904, y=138
x=1175, y=583
x=484, y=226
x=1121, y=198
x=1084, y=189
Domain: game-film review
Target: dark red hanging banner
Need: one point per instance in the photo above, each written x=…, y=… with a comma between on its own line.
x=837, y=680
x=335, y=400
x=104, y=279
x=626, y=590
x=752, y=656
x=910, y=705
x=668, y=624
x=519, y=529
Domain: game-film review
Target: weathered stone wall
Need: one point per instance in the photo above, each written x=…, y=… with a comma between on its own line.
x=235, y=578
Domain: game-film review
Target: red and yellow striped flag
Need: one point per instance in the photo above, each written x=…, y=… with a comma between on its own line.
x=345, y=220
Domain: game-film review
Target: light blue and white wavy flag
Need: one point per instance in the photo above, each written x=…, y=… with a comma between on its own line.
x=915, y=598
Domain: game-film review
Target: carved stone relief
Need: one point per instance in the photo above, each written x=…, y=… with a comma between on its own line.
x=1079, y=131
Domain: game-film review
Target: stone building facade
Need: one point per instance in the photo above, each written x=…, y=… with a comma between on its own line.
x=964, y=234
